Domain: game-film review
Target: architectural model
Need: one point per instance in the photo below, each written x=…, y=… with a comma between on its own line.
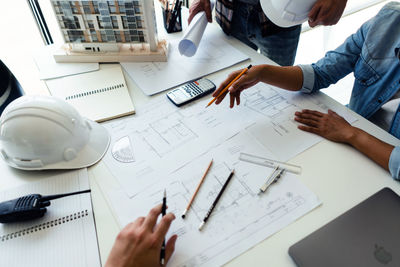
x=108, y=31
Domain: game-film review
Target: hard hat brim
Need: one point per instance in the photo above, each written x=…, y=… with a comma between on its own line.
x=276, y=17
x=92, y=153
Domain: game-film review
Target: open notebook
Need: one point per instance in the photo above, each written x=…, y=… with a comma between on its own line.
x=98, y=95
x=65, y=236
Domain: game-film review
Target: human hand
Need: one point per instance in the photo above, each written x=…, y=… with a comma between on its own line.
x=139, y=243
x=328, y=125
x=326, y=12
x=248, y=79
x=198, y=6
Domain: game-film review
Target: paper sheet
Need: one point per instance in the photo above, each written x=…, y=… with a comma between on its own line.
x=50, y=69
x=162, y=137
x=193, y=34
x=240, y=220
x=155, y=77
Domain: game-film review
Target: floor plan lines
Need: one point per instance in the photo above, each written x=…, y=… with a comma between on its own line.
x=266, y=102
x=167, y=134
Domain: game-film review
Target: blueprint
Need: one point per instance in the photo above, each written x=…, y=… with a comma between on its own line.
x=161, y=138
x=241, y=219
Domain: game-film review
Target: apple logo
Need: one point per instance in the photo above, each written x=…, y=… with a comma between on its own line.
x=382, y=255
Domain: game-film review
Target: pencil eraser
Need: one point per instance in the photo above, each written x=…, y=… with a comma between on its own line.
x=184, y=214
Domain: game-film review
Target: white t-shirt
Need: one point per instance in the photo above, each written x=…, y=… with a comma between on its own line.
x=384, y=116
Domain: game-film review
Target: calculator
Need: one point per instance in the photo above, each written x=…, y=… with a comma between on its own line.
x=190, y=91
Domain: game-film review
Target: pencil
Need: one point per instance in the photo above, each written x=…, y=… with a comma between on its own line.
x=163, y=211
x=229, y=85
x=197, y=190
x=216, y=200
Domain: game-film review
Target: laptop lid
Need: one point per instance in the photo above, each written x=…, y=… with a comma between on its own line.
x=366, y=235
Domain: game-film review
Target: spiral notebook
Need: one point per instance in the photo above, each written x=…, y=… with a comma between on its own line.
x=65, y=236
x=98, y=95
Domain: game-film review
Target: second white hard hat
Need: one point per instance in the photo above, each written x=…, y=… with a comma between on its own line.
x=287, y=13
x=43, y=132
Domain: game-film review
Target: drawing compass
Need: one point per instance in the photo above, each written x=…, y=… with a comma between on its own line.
x=273, y=178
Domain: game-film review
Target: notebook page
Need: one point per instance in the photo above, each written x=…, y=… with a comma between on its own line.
x=65, y=236
x=98, y=95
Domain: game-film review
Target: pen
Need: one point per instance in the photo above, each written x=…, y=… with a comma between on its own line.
x=197, y=190
x=229, y=85
x=163, y=210
x=216, y=201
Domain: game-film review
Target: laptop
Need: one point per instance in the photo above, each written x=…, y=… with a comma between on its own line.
x=366, y=235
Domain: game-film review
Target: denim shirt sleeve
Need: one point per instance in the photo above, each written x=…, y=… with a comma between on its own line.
x=336, y=64
x=394, y=163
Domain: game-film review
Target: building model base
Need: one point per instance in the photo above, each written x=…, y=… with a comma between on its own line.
x=124, y=53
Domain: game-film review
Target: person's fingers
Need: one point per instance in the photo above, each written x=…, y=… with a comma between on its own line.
x=308, y=122
x=313, y=112
x=170, y=247
x=221, y=97
x=308, y=129
x=232, y=100
x=195, y=8
x=309, y=116
x=313, y=15
x=333, y=113
x=207, y=9
x=151, y=219
x=138, y=222
x=162, y=228
x=238, y=98
x=225, y=83
x=244, y=82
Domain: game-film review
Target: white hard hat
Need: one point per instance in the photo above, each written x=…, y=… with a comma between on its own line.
x=287, y=13
x=43, y=132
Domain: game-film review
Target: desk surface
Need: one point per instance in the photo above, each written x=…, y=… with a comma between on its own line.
x=339, y=175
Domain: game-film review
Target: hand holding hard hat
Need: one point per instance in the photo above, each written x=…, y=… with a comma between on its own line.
x=42, y=132
x=287, y=13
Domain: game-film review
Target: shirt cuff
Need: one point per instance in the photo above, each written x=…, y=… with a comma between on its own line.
x=394, y=163
x=308, y=78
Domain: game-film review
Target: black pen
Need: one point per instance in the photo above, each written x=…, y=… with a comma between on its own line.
x=163, y=210
x=216, y=201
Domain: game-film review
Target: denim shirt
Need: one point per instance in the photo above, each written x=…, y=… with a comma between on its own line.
x=370, y=55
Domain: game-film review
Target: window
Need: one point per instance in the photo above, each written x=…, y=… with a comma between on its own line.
x=117, y=36
x=114, y=22
x=76, y=36
x=93, y=34
x=124, y=22
x=90, y=23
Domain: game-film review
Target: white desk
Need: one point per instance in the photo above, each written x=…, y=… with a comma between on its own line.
x=337, y=173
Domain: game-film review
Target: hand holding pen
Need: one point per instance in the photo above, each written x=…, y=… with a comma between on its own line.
x=140, y=242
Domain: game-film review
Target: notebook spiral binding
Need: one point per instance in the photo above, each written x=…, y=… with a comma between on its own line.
x=93, y=92
x=45, y=225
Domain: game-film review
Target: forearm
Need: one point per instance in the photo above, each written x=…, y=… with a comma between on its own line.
x=289, y=78
x=372, y=147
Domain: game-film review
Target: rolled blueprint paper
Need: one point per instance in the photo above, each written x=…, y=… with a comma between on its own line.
x=192, y=37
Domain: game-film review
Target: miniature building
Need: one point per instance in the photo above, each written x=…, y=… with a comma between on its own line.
x=103, y=25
